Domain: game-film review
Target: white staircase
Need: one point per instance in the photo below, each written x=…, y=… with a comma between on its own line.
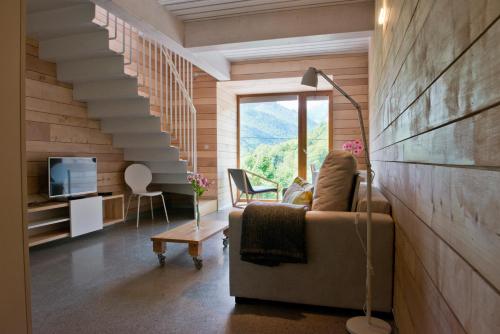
x=139, y=89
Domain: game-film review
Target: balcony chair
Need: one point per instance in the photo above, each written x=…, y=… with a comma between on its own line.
x=138, y=177
x=244, y=186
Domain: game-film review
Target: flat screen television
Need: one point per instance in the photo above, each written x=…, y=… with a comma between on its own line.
x=72, y=176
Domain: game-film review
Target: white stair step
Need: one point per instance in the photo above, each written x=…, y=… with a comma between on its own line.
x=149, y=124
x=180, y=178
x=144, y=140
x=77, y=46
x=63, y=21
x=179, y=166
x=92, y=69
x=138, y=107
x=105, y=89
x=33, y=6
x=153, y=154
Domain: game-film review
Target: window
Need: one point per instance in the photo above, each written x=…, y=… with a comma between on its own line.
x=281, y=135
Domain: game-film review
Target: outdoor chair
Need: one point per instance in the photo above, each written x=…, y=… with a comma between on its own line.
x=244, y=186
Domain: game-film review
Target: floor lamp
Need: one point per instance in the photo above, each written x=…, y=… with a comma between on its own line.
x=364, y=324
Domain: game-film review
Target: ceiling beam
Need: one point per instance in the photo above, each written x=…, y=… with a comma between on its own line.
x=341, y=18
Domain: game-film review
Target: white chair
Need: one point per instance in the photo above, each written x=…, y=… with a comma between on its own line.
x=138, y=177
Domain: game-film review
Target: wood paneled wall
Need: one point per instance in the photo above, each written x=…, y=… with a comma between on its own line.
x=205, y=101
x=350, y=71
x=56, y=125
x=435, y=138
x=227, y=128
x=15, y=294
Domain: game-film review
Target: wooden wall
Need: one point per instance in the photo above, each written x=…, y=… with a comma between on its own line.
x=56, y=125
x=205, y=101
x=350, y=71
x=227, y=128
x=435, y=125
x=15, y=296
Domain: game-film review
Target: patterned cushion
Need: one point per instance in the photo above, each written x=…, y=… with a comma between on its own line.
x=300, y=192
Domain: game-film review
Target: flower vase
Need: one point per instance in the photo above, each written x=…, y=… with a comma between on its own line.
x=196, y=203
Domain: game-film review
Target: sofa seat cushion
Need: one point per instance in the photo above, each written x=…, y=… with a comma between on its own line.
x=380, y=204
x=334, y=185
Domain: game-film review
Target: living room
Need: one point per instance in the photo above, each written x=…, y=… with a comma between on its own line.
x=201, y=166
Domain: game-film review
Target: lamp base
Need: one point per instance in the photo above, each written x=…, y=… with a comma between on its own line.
x=360, y=325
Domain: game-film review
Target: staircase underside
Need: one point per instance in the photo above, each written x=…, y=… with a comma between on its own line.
x=68, y=36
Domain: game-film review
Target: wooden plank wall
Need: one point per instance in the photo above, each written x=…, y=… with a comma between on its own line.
x=57, y=125
x=434, y=125
x=350, y=71
x=205, y=101
x=15, y=287
x=226, y=141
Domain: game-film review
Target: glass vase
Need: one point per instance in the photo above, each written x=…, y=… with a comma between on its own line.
x=197, y=206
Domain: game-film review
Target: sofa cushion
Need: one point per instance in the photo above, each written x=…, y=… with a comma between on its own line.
x=300, y=192
x=380, y=204
x=334, y=185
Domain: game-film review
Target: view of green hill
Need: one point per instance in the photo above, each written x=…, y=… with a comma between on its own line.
x=268, y=140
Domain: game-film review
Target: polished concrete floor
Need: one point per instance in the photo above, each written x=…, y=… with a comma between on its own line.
x=110, y=282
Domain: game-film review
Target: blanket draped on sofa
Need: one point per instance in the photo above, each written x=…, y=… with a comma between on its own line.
x=273, y=233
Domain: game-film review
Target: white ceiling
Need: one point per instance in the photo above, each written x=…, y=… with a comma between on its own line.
x=196, y=10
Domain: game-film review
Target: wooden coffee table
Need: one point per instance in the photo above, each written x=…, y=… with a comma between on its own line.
x=189, y=234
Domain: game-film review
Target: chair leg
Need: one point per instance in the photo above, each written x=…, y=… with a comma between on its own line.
x=138, y=209
x=164, y=208
x=151, y=203
x=128, y=205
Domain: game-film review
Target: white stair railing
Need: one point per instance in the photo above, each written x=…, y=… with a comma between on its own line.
x=163, y=76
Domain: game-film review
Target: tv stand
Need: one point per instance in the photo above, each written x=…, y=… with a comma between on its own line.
x=51, y=221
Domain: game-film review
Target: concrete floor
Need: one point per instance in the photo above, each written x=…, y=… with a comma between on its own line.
x=110, y=282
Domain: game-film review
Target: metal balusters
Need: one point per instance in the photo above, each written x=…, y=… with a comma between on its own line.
x=143, y=62
x=173, y=94
x=162, y=117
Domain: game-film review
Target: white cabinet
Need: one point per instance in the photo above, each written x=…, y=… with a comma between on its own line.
x=85, y=215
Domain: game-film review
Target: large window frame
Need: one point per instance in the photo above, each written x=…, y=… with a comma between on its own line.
x=302, y=123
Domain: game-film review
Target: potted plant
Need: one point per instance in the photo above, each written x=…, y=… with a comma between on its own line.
x=200, y=184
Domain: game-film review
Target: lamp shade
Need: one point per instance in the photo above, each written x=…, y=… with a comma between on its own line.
x=310, y=78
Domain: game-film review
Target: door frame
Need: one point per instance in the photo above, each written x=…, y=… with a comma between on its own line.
x=302, y=124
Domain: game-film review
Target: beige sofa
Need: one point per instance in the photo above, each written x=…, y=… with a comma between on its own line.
x=335, y=273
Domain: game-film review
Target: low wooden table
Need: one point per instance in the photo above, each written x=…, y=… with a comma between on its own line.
x=188, y=233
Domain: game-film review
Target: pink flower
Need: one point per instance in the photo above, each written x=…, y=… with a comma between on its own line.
x=356, y=152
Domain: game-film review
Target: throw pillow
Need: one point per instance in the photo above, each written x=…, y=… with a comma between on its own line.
x=335, y=182
x=300, y=192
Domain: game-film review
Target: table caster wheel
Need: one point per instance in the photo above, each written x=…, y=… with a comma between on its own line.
x=225, y=242
x=161, y=259
x=198, y=263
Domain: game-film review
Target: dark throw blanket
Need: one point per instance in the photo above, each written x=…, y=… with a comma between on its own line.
x=273, y=233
